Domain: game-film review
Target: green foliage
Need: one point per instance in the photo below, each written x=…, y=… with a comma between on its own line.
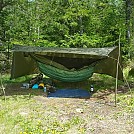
x=65, y=23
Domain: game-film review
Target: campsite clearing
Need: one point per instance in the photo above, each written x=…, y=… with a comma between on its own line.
x=27, y=111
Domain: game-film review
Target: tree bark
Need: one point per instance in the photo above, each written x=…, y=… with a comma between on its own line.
x=128, y=4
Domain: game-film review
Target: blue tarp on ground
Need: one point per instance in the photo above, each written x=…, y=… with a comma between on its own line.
x=70, y=93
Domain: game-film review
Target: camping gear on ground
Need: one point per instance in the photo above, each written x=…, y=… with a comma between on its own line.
x=63, y=63
x=35, y=86
x=70, y=93
x=36, y=79
x=50, y=88
x=25, y=85
x=41, y=85
x=45, y=89
x=92, y=88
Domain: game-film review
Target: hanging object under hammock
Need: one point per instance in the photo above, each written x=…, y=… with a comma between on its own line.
x=66, y=75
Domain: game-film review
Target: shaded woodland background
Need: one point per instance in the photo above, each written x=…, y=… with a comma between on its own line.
x=68, y=23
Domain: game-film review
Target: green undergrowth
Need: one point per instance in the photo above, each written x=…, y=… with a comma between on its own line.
x=6, y=79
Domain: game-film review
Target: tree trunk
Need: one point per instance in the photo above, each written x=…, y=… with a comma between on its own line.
x=128, y=5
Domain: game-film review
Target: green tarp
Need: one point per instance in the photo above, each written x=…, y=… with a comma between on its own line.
x=25, y=59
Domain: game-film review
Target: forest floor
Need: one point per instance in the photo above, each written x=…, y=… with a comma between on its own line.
x=26, y=111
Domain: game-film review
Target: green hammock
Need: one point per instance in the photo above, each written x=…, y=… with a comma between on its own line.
x=105, y=59
x=66, y=75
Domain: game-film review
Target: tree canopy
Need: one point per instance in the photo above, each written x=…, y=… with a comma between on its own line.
x=67, y=23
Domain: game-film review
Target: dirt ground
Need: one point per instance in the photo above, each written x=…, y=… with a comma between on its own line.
x=96, y=115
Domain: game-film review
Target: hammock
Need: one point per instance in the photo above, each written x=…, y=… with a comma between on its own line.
x=66, y=75
x=26, y=57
